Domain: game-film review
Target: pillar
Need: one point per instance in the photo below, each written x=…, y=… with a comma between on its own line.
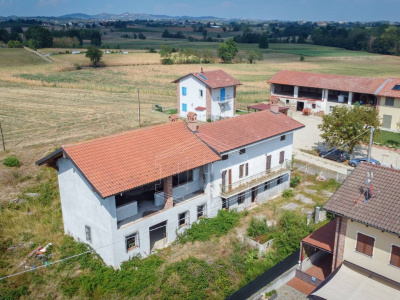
x=340, y=237
x=350, y=99
x=168, y=196
x=272, y=88
x=296, y=91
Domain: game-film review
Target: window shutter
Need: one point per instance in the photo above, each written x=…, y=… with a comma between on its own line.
x=184, y=91
x=240, y=171
x=395, y=257
x=360, y=243
x=268, y=162
x=369, y=245
x=247, y=169
x=365, y=244
x=281, y=157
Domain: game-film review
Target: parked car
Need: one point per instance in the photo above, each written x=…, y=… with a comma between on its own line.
x=334, y=154
x=355, y=161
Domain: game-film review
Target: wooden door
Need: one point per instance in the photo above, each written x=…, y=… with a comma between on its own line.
x=282, y=157
x=223, y=181
x=254, y=193
x=230, y=179
x=268, y=162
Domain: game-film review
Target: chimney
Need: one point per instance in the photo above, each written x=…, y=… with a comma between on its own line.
x=173, y=118
x=274, y=105
x=192, y=121
x=201, y=70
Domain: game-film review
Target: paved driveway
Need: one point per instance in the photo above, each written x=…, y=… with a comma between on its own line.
x=309, y=137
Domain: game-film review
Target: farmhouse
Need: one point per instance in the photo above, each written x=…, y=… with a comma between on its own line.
x=131, y=193
x=362, y=243
x=322, y=92
x=211, y=95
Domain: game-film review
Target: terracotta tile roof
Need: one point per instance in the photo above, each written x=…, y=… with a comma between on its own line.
x=214, y=79
x=329, y=81
x=232, y=133
x=263, y=106
x=382, y=210
x=323, y=238
x=124, y=161
x=387, y=89
x=200, y=108
x=301, y=286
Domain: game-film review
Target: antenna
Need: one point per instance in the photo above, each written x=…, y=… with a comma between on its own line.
x=370, y=176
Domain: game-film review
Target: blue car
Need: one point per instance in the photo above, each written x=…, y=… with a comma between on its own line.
x=355, y=161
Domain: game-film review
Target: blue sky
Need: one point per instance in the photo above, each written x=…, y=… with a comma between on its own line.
x=313, y=10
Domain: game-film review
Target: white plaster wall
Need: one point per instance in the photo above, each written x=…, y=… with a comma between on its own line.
x=81, y=206
x=229, y=104
x=192, y=98
x=255, y=156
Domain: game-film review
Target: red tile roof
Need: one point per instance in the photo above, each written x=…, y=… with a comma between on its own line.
x=387, y=89
x=329, y=81
x=200, y=108
x=121, y=162
x=263, y=106
x=382, y=210
x=301, y=286
x=214, y=79
x=232, y=133
x=323, y=238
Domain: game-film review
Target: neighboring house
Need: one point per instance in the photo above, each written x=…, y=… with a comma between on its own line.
x=322, y=92
x=364, y=239
x=211, y=95
x=131, y=193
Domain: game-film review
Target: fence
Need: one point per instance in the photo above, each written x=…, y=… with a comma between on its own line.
x=267, y=277
x=323, y=173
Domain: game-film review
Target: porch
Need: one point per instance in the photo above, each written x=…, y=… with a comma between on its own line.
x=232, y=189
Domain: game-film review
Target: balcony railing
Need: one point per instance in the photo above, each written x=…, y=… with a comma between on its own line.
x=246, y=183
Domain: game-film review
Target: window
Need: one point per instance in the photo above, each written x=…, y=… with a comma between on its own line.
x=243, y=170
x=241, y=197
x=183, y=219
x=283, y=137
x=201, y=211
x=267, y=185
x=225, y=203
x=132, y=241
x=279, y=180
x=242, y=151
x=330, y=108
x=247, y=169
x=395, y=256
x=184, y=107
x=387, y=121
x=182, y=178
x=88, y=232
x=281, y=157
x=396, y=87
x=184, y=91
x=365, y=244
x=389, y=101
x=268, y=165
x=225, y=157
x=201, y=93
x=287, y=102
x=313, y=106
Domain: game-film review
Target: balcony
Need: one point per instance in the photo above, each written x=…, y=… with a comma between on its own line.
x=244, y=184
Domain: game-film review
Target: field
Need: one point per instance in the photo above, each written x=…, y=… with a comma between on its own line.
x=45, y=105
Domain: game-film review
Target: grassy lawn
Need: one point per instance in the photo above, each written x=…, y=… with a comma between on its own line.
x=388, y=138
x=18, y=57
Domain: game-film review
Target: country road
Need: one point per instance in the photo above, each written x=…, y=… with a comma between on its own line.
x=41, y=55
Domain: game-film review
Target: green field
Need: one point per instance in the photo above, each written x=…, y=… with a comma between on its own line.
x=18, y=57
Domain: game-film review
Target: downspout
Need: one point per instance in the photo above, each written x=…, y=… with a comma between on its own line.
x=337, y=243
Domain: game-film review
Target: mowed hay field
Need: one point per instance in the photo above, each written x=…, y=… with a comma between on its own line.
x=45, y=105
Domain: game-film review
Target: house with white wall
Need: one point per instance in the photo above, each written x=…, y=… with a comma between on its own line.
x=211, y=95
x=131, y=193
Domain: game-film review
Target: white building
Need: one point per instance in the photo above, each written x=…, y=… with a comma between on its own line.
x=211, y=95
x=131, y=193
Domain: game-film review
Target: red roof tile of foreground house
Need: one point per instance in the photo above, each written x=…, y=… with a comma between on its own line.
x=214, y=79
x=323, y=238
x=382, y=210
x=121, y=162
x=387, y=89
x=232, y=133
x=329, y=81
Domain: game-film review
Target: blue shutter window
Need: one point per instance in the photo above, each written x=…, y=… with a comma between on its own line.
x=183, y=91
x=222, y=94
x=184, y=107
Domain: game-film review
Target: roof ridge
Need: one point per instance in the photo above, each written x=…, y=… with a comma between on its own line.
x=122, y=133
x=331, y=74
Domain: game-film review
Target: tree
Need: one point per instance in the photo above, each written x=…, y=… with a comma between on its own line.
x=344, y=126
x=95, y=38
x=166, y=53
x=14, y=44
x=263, y=43
x=141, y=36
x=227, y=51
x=4, y=35
x=41, y=37
x=204, y=34
x=254, y=56
x=94, y=54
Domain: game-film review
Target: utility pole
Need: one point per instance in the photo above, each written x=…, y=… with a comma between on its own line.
x=2, y=138
x=371, y=136
x=138, y=100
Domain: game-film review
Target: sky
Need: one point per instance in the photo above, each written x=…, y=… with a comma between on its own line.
x=310, y=10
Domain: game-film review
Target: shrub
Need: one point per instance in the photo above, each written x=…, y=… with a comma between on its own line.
x=294, y=181
x=14, y=44
x=11, y=161
x=257, y=227
x=288, y=193
x=167, y=61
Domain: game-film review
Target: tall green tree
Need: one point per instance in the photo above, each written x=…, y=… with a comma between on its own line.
x=95, y=38
x=39, y=36
x=94, y=54
x=253, y=56
x=227, y=51
x=263, y=43
x=345, y=126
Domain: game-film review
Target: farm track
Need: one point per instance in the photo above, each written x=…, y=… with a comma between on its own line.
x=40, y=55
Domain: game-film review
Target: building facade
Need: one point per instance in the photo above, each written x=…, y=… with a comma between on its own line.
x=211, y=95
x=129, y=194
